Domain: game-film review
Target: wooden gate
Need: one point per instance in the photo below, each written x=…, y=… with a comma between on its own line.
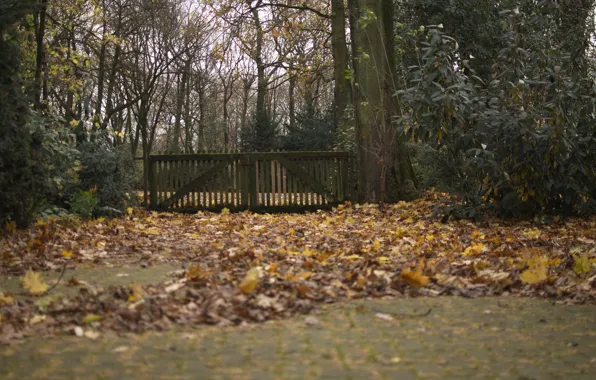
x=277, y=181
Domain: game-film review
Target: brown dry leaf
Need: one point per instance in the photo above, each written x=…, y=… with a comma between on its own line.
x=415, y=278
x=195, y=273
x=250, y=282
x=33, y=283
x=537, y=271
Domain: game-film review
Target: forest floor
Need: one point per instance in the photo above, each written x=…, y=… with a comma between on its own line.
x=356, y=292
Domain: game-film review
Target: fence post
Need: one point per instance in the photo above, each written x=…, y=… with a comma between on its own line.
x=244, y=180
x=252, y=181
x=152, y=183
x=345, y=181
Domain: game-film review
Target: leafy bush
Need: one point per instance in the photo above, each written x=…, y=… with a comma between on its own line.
x=37, y=156
x=260, y=135
x=107, y=171
x=438, y=168
x=83, y=203
x=312, y=131
x=527, y=138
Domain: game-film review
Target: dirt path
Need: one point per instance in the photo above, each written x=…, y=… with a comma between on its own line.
x=508, y=338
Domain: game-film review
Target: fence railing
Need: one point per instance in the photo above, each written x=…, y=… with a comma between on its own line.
x=249, y=180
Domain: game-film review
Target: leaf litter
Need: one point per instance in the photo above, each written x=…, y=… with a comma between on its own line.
x=245, y=267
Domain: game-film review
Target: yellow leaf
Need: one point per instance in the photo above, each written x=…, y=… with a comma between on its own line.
x=376, y=245
x=250, y=282
x=415, y=278
x=33, y=283
x=308, y=253
x=37, y=319
x=534, y=233
x=67, y=254
x=225, y=211
x=6, y=299
x=129, y=211
x=536, y=271
x=353, y=257
x=582, y=264
x=383, y=260
x=474, y=249
x=196, y=273
x=152, y=231
x=90, y=318
x=303, y=276
x=136, y=294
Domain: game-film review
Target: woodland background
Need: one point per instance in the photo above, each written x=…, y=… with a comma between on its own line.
x=492, y=101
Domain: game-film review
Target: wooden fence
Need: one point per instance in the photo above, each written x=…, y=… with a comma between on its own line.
x=256, y=181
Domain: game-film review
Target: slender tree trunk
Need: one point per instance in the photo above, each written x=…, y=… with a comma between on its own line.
x=101, y=76
x=342, y=91
x=292, y=101
x=202, y=100
x=40, y=29
x=188, y=148
x=258, y=58
x=180, y=96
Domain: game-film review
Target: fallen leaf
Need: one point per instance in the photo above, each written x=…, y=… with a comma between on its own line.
x=536, y=272
x=250, y=281
x=136, y=293
x=90, y=318
x=582, y=264
x=6, y=299
x=33, y=283
x=78, y=331
x=385, y=317
x=67, y=254
x=37, y=319
x=91, y=334
x=311, y=321
x=415, y=278
x=474, y=249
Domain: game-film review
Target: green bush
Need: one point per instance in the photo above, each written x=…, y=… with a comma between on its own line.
x=528, y=138
x=107, y=171
x=37, y=156
x=438, y=168
x=260, y=135
x=83, y=203
x=312, y=131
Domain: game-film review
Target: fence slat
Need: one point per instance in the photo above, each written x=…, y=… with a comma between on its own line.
x=249, y=180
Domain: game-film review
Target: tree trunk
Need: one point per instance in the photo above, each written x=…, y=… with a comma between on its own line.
x=292, y=101
x=258, y=58
x=180, y=97
x=201, y=90
x=40, y=29
x=187, y=121
x=342, y=91
x=382, y=164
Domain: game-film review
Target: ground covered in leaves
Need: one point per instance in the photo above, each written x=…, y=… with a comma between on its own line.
x=245, y=267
